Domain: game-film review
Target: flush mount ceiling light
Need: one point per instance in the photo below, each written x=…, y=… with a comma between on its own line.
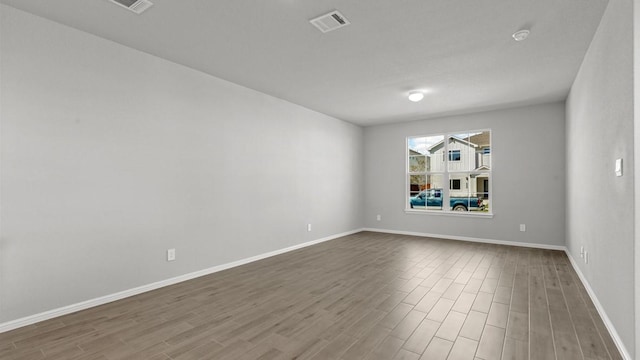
x=520, y=35
x=416, y=96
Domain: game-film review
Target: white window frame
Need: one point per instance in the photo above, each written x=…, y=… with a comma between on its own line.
x=446, y=178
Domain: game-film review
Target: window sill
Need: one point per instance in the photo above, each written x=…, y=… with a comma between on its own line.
x=449, y=213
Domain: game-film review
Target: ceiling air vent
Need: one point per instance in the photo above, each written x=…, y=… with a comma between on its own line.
x=330, y=21
x=137, y=6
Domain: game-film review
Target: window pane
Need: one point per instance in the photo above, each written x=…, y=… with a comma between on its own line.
x=417, y=183
x=459, y=184
x=481, y=182
x=432, y=147
x=428, y=197
x=461, y=152
x=460, y=198
x=483, y=151
x=473, y=193
x=417, y=163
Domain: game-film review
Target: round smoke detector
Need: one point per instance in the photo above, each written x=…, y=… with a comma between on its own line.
x=520, y=35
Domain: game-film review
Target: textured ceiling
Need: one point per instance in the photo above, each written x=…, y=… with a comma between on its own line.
x=459, y=52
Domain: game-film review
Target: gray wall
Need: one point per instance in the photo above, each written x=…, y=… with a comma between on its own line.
x=528, y=176
x=600, y=212
x=111, y=156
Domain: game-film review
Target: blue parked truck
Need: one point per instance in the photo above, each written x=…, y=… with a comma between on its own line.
x=432, y=198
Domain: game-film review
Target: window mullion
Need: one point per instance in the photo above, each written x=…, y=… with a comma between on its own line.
x=447, y=179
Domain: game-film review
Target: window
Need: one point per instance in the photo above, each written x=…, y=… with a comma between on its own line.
x=463, y=160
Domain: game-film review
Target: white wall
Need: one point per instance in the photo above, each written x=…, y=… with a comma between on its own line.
x=111, y=156
x=600, y=212
x=527, y=152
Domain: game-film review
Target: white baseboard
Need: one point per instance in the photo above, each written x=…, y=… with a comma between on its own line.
x=607, y=322
x=471, y=239
x=14, y=324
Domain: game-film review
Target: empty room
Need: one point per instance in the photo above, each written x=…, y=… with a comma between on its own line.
x=295, y=179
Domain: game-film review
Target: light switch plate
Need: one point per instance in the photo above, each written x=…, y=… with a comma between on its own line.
x=618, y=167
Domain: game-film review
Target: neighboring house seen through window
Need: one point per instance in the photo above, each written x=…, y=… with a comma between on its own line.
x=466, y=168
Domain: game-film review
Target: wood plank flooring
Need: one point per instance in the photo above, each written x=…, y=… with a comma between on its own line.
x=364, y=296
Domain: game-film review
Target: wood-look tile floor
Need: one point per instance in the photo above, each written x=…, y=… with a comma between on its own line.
x=364, y=296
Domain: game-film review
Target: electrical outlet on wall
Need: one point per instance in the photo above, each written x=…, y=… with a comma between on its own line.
x=581, y=251
x=171, y=254
x=586, y=257
x=523, y=227
x=378, y=217
x=308, y=227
